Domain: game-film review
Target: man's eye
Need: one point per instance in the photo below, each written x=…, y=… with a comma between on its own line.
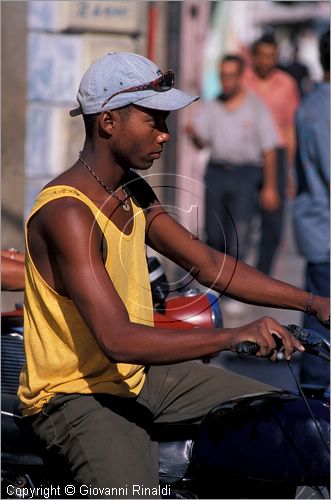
x=157, y=121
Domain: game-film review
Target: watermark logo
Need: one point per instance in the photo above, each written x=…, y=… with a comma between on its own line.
x=174, y=232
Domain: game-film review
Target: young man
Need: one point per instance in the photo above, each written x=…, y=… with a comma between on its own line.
x=98, y=374
x=242, y=170
x=279, y=92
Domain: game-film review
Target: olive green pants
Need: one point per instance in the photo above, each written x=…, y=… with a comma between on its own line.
x=106, y=441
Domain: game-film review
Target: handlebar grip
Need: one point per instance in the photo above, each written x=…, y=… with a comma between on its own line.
x=244, y=349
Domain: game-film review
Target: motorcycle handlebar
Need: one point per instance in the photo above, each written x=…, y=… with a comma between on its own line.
x=312, y=341
x=244, y=349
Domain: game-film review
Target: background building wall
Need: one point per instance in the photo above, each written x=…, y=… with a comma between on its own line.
x=13, y=95
x=13, y=110
x=64, y=38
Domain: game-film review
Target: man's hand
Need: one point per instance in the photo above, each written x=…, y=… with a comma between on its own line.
x=189, y=129
x=12, y=271
x=320, y=307
x=269, y=199
x=261, y=332
x=191, y=133
x=12, y=253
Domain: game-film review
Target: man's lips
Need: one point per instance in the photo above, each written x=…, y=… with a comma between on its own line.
x=156, y=154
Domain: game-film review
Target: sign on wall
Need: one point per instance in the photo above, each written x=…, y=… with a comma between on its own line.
x=110, y=16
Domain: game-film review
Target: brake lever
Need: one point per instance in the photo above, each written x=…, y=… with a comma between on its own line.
x=310, y=340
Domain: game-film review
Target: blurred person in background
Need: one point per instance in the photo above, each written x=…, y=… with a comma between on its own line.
x=299, y=72
x=240, y=133
x=241, y=173
x=311, y=209
x=279, y=92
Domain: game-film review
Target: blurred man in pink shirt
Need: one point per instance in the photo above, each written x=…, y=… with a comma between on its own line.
x=279, y=92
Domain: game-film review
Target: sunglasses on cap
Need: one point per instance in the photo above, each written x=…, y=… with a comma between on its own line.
x=162, y=84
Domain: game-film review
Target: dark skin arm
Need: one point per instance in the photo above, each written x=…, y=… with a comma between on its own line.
x=79, y=273
x=269, y=197
x=290, y=149
x=223, y=273
x=12, y=270
x=13, y=254
x=197, y=141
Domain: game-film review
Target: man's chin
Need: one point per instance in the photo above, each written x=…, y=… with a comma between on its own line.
x=265, y=73
x=227, y=96
x=144, y=166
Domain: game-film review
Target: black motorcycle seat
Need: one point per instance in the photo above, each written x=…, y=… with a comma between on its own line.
x=21, y=448
x=175, y=450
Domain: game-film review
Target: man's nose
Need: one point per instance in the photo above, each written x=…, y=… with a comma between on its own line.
x=163, y=137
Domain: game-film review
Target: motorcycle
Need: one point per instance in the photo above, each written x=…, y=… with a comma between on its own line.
x=272, y=445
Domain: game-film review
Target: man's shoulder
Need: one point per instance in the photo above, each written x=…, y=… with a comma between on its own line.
x=66, y=209
x=139, y=189
x=315, y=102
x=320, y=92
x=284, y=78
x=256, y=102
x=254, y=99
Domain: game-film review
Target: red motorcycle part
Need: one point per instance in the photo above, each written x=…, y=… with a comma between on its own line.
x=182, y=310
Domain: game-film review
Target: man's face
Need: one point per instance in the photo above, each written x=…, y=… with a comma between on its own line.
x=265, y=59
x=139, y=138
x=230, y=76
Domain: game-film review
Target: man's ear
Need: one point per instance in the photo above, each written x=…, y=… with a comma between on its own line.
x=107, y=122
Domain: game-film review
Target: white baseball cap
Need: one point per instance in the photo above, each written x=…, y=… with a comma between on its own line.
x=122, y=78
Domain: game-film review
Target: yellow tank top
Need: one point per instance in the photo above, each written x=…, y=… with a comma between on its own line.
x=62, y=355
